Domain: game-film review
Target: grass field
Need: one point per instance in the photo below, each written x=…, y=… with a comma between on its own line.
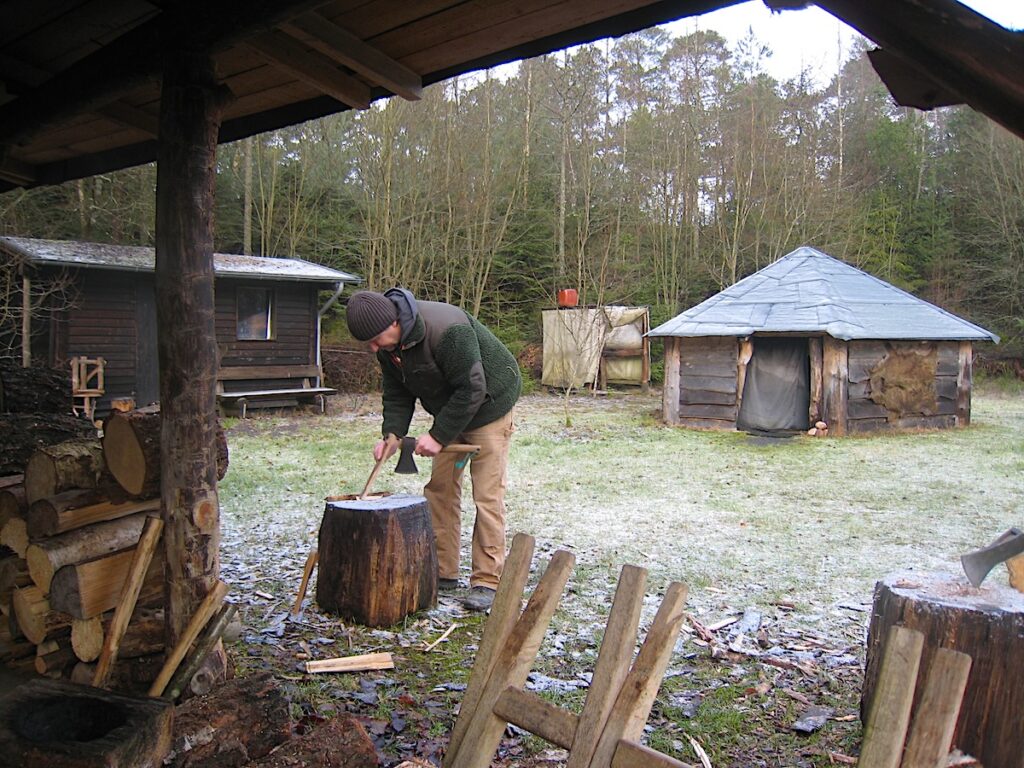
x=793, y=533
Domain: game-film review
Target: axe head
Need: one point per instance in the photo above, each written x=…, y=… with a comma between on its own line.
x=978, y=563
x=406, y=463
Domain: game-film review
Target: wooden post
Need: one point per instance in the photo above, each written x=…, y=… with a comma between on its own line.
x=814, y=409
x=26, y=321
x=670, y=390
x=744, y=351
x=191, y=106
x=964, y=376
x=835, y=373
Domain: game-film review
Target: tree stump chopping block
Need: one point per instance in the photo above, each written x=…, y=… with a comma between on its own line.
x=378, y=560
x=987, y=623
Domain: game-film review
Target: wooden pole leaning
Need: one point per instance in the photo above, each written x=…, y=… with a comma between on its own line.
x=311, y=560
x=207, y=608
x=508, y=601
x=141, y=560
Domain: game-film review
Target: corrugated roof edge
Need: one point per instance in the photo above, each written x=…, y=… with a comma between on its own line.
x=132, y=258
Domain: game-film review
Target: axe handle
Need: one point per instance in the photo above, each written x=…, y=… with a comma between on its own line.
x=392, y=442
x=461, y=448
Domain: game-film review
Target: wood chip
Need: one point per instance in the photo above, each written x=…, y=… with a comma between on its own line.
x=441, y=639
x=699, y=751
x=363, y=663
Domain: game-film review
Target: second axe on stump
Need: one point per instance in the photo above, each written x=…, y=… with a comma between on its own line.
x=406, y=461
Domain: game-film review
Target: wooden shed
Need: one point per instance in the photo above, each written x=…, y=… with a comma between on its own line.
x=267, y=313
x=811, y=338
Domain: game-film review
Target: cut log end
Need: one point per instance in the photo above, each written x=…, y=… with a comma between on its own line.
x=125, y=455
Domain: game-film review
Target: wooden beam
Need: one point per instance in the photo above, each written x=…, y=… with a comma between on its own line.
x=344, y=47
x=136, y=58
x=311, y=67
x=20, y=77
x=670, y=389
x=957, y=48
x=835, y=374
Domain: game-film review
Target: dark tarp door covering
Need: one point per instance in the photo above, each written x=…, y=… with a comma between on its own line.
x=777, y=392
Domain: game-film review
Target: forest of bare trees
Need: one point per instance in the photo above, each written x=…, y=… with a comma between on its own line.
x=645, y=170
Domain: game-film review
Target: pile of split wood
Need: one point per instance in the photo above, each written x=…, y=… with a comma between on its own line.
x=71, y=523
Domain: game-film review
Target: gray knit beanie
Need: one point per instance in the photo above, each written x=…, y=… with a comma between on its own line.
x=369, y=314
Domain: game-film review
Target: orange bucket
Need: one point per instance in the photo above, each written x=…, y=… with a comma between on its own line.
x=567, y=297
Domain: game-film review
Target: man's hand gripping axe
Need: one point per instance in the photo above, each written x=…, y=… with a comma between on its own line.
x=407, y=463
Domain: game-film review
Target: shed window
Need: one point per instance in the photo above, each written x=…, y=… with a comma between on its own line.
x=255, y=307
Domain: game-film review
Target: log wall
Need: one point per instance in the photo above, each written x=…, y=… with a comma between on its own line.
x=294, y=326
x=708, y=392
x=865, y=414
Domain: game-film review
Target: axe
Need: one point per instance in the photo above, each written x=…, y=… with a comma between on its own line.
x=407, y=464
x=978, y=563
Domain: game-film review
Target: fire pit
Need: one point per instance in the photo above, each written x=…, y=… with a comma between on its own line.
x=54, y=724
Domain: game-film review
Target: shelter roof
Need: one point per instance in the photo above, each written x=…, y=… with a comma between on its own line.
x=808, y=291
x=135, y=258
x=80, y=79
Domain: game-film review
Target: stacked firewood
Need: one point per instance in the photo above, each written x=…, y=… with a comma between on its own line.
x=72, y=522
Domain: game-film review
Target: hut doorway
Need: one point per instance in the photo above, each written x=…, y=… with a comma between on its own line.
x=777, y=390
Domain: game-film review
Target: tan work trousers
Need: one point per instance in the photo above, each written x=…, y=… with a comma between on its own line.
x=489, y=471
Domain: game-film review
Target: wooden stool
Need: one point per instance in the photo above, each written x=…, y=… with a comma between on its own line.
x=378, y=560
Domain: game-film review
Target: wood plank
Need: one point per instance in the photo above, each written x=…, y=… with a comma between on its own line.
x=834, y=374
x=362, y=663
x=711, y=383
x=629, y=754
x=500, y=623
x=137, y=570
x=707, y=397
x=670, y=391
x=348, y=49
x=542, y=718
x=243, y=372
x=865, y=409
x=484, y=730
x=889, y=711
x=706, y=411
x=932, y=732
x=633, y=704
x=964, y=380
x=612, y=667
x=311, y=67
x=814, y=405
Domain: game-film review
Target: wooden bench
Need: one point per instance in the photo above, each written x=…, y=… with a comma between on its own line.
x=270, y=386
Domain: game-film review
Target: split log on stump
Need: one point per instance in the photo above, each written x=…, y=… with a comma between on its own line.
x=14, y=535
x=378, y=560
x=341, y=742
x=46, y=556
x=24, y=434
x=36, y=389
x=131, y=445
x=88, y=589
x=77, y=509
x=35, y=616
x=240, y=721
x=62, y=467
x=987, y=624
x=56, y=724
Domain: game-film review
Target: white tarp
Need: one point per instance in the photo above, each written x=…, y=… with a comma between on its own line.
x=575, y=338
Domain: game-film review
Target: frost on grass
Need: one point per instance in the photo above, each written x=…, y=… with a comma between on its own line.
x=794, y=531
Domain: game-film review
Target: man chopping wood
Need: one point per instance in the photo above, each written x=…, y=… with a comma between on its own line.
x=469, y=382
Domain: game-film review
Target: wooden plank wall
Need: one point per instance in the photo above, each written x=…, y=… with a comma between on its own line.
x=864, y=415
x=707, y=382
x=102, y=323
x=294, y=341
